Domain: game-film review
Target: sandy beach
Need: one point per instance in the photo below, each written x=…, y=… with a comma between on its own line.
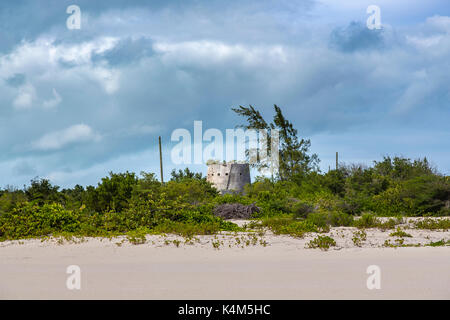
x=278, y=267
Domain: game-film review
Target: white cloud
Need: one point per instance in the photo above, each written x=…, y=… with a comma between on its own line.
x=424, y=41
x=207, y=52
x=108, y=78
x=441, y=23
x=51, y=103
x=41, y=60
x=58, y=139
x=24, y=99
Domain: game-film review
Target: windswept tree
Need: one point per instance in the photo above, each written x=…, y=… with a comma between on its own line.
x=294, y=157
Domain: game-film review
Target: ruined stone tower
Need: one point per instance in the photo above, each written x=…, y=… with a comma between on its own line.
x=228, y=177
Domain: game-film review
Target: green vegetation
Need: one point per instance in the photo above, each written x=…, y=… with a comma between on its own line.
x=400, y=233
x=399, y=242
x=433, y=224
x=321, y=242
x=359, y=237
x=290, y=226
x=296, y=200
x=369, y=220
x=294, y=158
x=120, y=204
x=440, y=243
x=137, y=236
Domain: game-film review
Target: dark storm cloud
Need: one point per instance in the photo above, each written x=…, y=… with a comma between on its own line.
x=77, y=104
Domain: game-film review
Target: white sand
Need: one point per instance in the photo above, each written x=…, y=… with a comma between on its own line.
x=283, y=269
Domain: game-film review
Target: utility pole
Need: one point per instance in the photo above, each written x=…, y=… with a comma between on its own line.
x=337, y=159
x=160, y=160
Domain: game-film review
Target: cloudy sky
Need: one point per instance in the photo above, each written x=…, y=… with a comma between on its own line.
x=78, y=103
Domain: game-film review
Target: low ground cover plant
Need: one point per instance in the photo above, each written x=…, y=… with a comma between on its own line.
x=433, y=224
x=359, y=237
x=400, y=233
x=321, y=242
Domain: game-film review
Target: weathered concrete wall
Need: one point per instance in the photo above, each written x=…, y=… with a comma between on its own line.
x=229, y=177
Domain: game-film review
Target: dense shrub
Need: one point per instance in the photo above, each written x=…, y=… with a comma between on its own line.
x=29, y=219
x=367, y=220
x=307, y=202
x=290, y=226
x=115, y=191
x=333, y=218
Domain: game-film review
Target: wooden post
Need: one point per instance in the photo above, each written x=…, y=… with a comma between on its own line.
x=160, y=160
x=337, y=159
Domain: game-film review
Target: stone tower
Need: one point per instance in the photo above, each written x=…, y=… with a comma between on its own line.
x=229, y=177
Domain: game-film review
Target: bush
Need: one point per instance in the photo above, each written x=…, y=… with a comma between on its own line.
x=290, y=226
x=307, y=202
x=321, y=242
x=138, y=236
x=333, y=218
x=400, y=233
x=367, y=220
x=31, y=220
x=114, y=192
x=187, y=230
x=301, y=209
x=440, y=243
x=193, y=191
x=390, y=223
x=432, y=224
x=359, y=237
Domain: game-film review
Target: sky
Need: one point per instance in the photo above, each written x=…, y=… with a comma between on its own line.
x=76, y=104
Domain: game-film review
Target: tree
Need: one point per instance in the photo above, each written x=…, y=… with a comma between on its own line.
x=115, y=191
x=147, y=186
x=294, y=159
x=401, y=168
x=41, y=191
x=185, y=174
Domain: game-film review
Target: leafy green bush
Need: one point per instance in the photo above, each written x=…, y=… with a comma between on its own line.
x=290, y=226
x=9, y=199
x=301, y=209
x=333, y=218
x=114, y=192
x=307, y=201
x=233, y=198
x=367, y=220
x=193, y=191
x=188, y=230
x=29, y=219
x=138, y=236
x=321, y=242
